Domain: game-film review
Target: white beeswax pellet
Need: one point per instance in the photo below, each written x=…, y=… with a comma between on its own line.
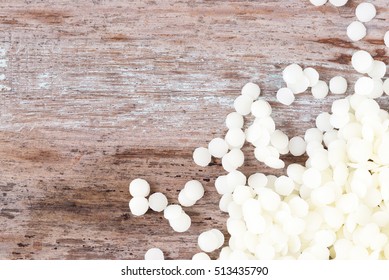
x=261, y=108
x=295, y=172
x=181, y=223
x=220, y=237
x=139, y=187
x=201, y=156
x=318, y=2
x=312, y=75
x=364, y=86
x=252, y=90
x=236, y=158
x=313, y=134
x=361, y=61
x=194, y=190
x=154, y=254
x=297, y=146
x=378, y=89
x=184, y=199
x=323, y=122
x=242, y=104
x=386, y=86
x=138, y=205
x=234, y=120
x=284, y=185
x=241, y=194
x=377, y=70
x=225, y=201
x=292, y=73
x=208, y=241
x=172, y=211
x=386, y=39
x=338, y=85
x=320, y=90
x=257, y=180
x=338, y=3
x=300, y=86
x=235, y=178
x=285, y=96
x=235, y=137
x=340, y=106
x=158, y=202
x=312, y=178
x=218, y=147
x=201, y=257
x=279, y=139
x=365, y=12
x=356, y=31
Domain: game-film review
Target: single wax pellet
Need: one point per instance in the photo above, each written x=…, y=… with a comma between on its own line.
x=313, y=134
x=158, y=202
x=365, y=12
x=252, y=90
x=297, y=146
x=362, y=61
x=284, y=185
x=234, y=120
x=300, y=86
x=364, y=86
x=285, y=96
x=154, y=254
x=138, y=205
x=201, y=156
x=220, y=237
x=312, y=75
x=257, y=180
x=340, y=106
x=323, y=122
x=208, y=241
x=184, y=199
x=386, y=39
x=320, y=90
x=279, y=139
x=292, y=73
x=201, y=257
x=318, y=2
x=261, y=108
x=338, y=85
x=312, y=178
x=235, y=137
x=194, y=190
x=356, y=31
x=172, y=211
x=338, y=3
x=241, y=194
x=242, y=104
x=377, y=70
x=218, y=147
x=139, y=187
x=181, y=224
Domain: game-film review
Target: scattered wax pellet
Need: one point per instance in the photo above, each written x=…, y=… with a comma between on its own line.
x=139, y=187
x=356, y=31
x=157, y=202
x=285, y=96
x=138, y=205
x=365, y=12
x=201, y=156
x=338, y=85
x=154, y=254
x=252, y=90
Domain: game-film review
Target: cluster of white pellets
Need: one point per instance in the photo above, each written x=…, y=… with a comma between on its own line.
x=191, y=193
x=364, y=13
x=372, y=85
x=298, y=80
x=139, y=204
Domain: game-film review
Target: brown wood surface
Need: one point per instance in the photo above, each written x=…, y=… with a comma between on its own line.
x=99, y=92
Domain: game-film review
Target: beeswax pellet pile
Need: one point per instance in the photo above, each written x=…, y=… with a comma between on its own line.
x=334, y=206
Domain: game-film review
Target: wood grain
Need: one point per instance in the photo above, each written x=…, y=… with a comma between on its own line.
x=100, y=92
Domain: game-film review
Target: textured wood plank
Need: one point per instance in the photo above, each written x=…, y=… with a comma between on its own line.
x=100, y=92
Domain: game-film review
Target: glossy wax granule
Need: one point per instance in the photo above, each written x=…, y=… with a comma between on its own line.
x=139, y=187
x=356, y=31
x=338, y=85
x=365, y=12
x=158, y=202
x=201, y=156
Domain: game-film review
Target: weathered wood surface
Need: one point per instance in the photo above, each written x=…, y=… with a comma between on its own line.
x=100, y=92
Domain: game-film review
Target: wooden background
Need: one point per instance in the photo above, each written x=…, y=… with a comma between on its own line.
x=99, y=92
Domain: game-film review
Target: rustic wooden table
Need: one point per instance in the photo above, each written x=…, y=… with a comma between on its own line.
x=99, y=92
